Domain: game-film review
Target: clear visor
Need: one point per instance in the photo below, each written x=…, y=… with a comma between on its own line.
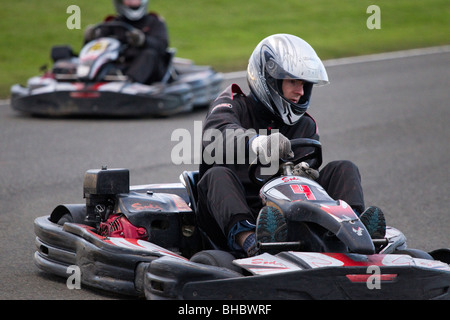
x=277, y=72
x=310, y=71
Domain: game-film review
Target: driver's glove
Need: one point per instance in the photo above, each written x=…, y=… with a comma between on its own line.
x=89, y=33
x=267, y=146
x=302, y=169
x=94, y=32
x=135, y=38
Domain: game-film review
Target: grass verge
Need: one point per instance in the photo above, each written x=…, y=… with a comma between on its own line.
x=224, y=33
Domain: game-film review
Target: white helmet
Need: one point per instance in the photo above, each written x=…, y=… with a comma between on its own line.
x=131, y=12
x=284, y=56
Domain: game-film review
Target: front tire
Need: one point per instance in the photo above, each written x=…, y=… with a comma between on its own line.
x=414, y=253
x=65, y=218
x=217, y=258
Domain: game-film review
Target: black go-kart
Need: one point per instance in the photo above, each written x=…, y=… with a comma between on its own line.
x=94, y=84
x=143, y=241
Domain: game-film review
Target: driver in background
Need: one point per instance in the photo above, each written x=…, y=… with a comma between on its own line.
x=281, y=73
x=145, y=59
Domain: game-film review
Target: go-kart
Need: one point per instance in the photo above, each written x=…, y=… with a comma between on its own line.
x=94, y=84
x=143, y=241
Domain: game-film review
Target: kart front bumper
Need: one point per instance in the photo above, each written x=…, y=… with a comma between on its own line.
x=59, y=103
x=143, y=269
x=117, y=267
x=168, y=278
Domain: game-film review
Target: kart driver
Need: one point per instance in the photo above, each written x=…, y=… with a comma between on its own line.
x=281, y=73
x=145, y=59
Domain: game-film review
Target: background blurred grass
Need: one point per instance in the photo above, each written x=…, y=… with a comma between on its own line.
x=224, y=33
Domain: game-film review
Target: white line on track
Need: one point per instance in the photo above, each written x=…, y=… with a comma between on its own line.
x=363, y=59
x=350, y=60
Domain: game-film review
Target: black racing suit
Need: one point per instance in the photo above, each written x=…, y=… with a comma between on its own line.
x=148, y=63
x=226, y=196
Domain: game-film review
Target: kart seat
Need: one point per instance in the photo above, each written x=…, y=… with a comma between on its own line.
x=170, y=72
x=190, y=180
x=61, y=52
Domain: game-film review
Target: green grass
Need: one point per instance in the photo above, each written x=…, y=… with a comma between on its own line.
x=224, y=33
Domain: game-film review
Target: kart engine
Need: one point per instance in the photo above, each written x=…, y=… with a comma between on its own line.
x=100, y=188
x=120, y=226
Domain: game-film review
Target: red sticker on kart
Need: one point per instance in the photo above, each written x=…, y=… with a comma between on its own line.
x=303, y=189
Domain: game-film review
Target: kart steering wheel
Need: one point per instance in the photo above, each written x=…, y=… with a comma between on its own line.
x=315, y=156
x=109, y=27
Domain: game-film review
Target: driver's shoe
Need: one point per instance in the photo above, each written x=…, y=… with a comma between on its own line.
x=271, y=226
x=374, y=221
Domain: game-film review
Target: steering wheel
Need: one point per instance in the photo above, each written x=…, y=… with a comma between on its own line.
x=113, y=29
x=315, y=156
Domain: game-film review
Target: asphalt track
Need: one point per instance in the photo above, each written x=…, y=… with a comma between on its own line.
x=387, y=113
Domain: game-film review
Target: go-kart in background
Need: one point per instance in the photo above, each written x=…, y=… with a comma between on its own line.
x=223, y=33
x=389, y=116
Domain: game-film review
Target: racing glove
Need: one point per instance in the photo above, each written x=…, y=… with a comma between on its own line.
x=94, y=32
x=90, y=33
x=275, y=144
x=135, y=38
x=302, y=169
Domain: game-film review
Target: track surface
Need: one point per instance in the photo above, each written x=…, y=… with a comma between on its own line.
x=389, y=115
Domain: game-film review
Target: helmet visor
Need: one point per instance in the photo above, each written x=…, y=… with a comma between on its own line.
x=309, y=70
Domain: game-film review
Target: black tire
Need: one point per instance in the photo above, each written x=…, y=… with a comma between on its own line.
x=415, y=253
x=68, y=213
x=441, y=255
x=65, y=218
x=217, y=258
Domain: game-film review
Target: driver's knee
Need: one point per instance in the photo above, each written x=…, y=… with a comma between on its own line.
x=342, y=168
x=342, y=180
